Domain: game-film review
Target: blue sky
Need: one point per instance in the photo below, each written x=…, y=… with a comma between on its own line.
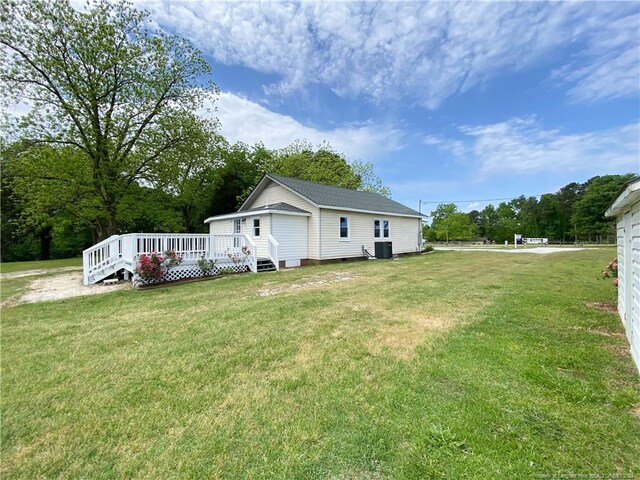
x=449, y=100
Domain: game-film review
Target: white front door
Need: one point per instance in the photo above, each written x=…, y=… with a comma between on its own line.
x=237, y=230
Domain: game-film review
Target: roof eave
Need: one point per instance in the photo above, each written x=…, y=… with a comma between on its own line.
x=255, y=213
x=374, y=212
x=627, y=197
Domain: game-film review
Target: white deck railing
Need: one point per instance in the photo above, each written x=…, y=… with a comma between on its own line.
x=102, y=256
x=273, y=251
x=122, y=251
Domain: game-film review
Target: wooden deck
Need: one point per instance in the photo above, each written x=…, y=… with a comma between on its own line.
x=121, y=252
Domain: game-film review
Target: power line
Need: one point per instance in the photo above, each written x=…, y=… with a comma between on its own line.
x=480, y=200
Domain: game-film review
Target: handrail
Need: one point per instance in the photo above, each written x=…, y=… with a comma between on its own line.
x=273, y=251
x=253, y=256
x=104, y=254
x=100, y=244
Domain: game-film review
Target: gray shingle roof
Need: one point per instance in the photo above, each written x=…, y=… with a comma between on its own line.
x=329, y=196
x=283, y=207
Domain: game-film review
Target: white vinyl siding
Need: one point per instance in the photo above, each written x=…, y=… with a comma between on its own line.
x=225, y=227
x=635, y=284
x=404, y=234
x=628, y=246
x=221, y=227
x=275, y=193
x=291, y=233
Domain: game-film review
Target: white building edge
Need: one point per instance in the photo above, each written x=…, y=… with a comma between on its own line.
x=626, y=209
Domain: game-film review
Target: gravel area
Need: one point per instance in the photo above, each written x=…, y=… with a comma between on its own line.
x=57, y=287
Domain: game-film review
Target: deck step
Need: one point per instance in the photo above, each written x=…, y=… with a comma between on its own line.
x=265, y=265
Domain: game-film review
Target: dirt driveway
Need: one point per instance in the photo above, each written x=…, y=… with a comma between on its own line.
x=58, y=283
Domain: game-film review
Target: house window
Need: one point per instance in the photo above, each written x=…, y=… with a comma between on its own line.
x=344, y=228
x=256, y=227
x=381, y=228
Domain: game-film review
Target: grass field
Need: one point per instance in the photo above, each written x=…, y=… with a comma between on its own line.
x=12, y=267
x=447, y=365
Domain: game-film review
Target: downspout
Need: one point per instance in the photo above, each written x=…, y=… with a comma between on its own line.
x=319, y=233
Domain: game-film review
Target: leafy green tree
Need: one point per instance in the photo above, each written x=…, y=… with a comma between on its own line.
x=50, y=191
x=369, y=181
x=588, y=210
x=238, y=174
x=489, y=222
x=476, y=219
x=549, y=216
x=507, y=222
x=451, y=224
x=324, y=165
x=190, y=171
x=567, y=197
x=101, y=83
x=526, y=213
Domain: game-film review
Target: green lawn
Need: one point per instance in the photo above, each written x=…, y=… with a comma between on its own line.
x=11, y=267
x=449, y=365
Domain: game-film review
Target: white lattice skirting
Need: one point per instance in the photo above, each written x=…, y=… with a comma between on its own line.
x=183, y=272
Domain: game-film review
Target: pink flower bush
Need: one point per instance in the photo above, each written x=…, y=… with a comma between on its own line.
x=240, y=258
x=611, y=271
x=152, y=267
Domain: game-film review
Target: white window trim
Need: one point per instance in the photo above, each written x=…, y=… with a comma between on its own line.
x=348, y=237
x=253, y=227
x=381, y=220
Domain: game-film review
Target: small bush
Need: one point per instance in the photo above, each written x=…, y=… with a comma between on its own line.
x=206, y=265
x=611, y=271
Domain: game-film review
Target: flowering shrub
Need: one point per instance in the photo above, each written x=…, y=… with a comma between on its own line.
x=171, y=259
x=206, y=265
x=611, y=271
x=151, y=268
x=240, y=258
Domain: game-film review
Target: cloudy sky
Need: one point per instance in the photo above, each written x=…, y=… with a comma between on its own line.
x=451, y=101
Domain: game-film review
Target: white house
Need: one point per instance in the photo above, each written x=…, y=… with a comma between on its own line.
x=311, y=222
x=284, y=222
x=626, y=209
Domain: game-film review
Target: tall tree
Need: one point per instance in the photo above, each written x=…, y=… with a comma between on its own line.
x=567, y=197
x=588, y=210
x=369, y=181
x=323, y=165
x=50, y=190
x=451, y=224
x=99, y=81
x=236, y=176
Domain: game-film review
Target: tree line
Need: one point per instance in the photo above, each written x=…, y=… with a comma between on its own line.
x=118, y=138
x=51, y=210
x=575, y=213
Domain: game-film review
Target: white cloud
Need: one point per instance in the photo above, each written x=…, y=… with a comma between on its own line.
x=423, y=51
x=610, y=65
x=523, y=146
x=250, y=122
x=456, y=147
